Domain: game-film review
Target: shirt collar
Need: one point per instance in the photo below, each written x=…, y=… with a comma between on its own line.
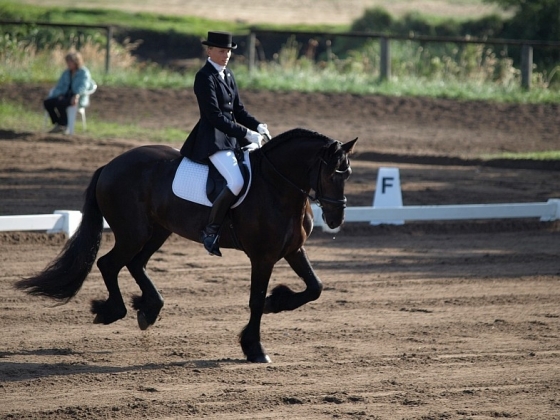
x=217, y=66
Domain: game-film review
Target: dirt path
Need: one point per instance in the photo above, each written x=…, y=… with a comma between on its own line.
x=416, y=126
x=422, y=321
x=415, y=326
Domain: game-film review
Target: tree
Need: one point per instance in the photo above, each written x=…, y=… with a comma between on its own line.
x=532, y=19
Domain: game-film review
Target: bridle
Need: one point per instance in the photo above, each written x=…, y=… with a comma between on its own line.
x=318, y=198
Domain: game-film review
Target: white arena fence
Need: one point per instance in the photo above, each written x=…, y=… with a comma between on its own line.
x=546, y=212
x=387, y=209
x=67, y=221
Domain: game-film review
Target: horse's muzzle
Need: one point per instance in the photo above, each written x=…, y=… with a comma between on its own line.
x=333, y=222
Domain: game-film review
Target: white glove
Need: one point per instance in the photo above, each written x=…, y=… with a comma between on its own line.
x=251, y=147
x=263, y=129
x=254, y=137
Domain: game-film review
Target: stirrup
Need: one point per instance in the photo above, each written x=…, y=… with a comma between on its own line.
x=210, y=242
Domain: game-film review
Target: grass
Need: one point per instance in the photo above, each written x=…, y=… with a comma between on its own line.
x=442, y=8
x=152, y=21
x=364, y=84
x=469, y=73
x=105, y=130
x=289, y=73
x=546, y=155
x=18, y=118
x=192, y=25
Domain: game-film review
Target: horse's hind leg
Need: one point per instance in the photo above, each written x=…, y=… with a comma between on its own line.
x=149, y=304
x=283, y=298
x=113, y=309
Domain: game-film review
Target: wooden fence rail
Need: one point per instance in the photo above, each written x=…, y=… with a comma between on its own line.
x=107, y=28
x=384, y=39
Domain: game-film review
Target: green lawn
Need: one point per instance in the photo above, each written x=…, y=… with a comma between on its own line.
x=17, y=118
x=415, y=73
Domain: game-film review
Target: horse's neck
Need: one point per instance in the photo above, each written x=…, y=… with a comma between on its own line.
x=297, y=154
x=293, y=165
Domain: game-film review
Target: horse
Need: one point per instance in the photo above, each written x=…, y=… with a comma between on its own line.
x=133, y=193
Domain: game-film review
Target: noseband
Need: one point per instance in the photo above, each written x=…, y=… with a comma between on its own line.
x=318, y=191
x=318, y=198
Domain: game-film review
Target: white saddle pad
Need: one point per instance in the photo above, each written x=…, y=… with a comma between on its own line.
x=190, y=182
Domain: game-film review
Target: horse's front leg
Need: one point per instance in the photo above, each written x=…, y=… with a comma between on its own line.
x=250, y=337
x=283, y=298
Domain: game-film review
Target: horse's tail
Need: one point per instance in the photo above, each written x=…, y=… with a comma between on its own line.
x=64, y=276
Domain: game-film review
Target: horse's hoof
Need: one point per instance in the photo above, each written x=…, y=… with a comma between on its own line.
x=267, y=309
x=261, y=358
x=142, y=321
x=97, y=319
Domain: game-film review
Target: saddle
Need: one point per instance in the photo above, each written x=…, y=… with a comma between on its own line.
x=202, y=183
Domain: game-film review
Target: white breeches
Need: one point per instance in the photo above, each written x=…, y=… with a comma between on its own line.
x=226, y=164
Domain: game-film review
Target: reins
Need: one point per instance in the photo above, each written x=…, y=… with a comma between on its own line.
x=318, y=196
x=301, y=190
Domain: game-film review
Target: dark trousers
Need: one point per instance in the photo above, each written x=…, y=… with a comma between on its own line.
x=56, y=107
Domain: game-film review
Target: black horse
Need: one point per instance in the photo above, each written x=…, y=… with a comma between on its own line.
x=133, y=194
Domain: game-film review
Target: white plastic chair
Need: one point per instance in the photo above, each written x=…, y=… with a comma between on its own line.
x=73, y=111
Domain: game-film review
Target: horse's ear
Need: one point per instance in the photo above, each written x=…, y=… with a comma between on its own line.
x=349, y=147
x=333, y=148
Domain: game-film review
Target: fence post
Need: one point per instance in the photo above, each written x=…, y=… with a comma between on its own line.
x=385, y=62
x=108, y=49
x=328, y=44
x=526, y=66
x=251, y=49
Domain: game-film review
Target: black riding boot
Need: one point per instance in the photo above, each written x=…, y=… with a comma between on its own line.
x=211, y=233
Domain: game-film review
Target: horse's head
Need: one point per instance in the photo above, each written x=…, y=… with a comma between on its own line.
x=331, y=172
x=307, y=160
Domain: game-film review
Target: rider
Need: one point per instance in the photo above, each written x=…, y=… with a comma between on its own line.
x=223, y=128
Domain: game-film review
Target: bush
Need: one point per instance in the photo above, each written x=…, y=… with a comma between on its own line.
x=491, y=26
x=376, y=19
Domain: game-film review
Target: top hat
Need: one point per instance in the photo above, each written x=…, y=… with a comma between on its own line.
x=220, y=40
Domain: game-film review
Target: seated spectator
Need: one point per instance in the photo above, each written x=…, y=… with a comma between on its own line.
x=70, y=90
